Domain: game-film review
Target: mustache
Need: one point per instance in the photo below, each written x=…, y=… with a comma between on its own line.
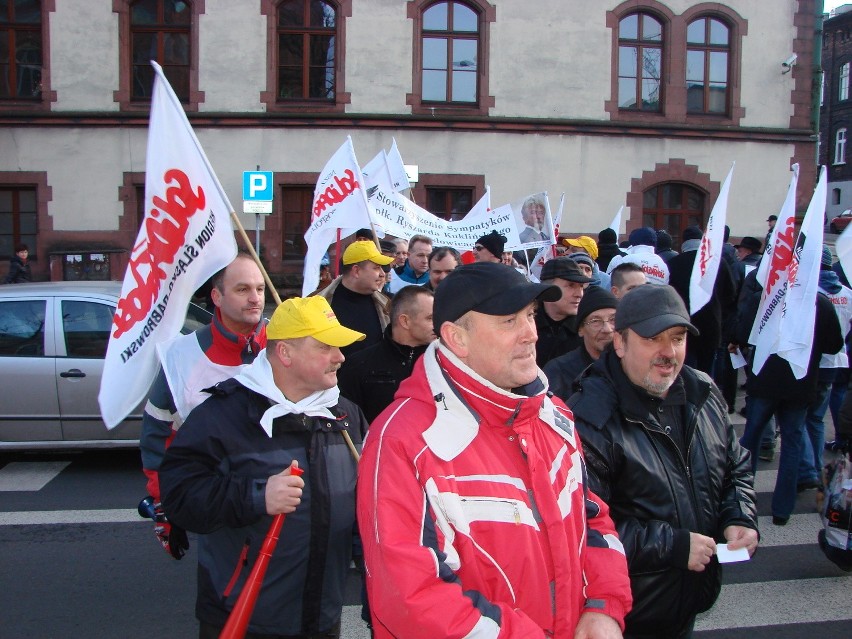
x=664, y=361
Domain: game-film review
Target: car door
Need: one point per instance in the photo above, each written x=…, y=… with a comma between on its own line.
x=29, y=407
x=83, y=328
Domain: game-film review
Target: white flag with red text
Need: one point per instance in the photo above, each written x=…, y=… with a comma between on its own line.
x=340, y=202
x=797, y=323
x=702, y=280
x=766, y=330
x=185, y=237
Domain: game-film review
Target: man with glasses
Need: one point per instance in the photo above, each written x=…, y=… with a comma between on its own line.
x=596, y=326
x=489, y=248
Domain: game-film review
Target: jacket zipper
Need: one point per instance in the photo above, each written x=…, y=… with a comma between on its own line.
x=513, y=504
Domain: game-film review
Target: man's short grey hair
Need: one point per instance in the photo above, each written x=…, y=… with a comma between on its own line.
x=618, y=273
x=441, y=252
x=419, y=238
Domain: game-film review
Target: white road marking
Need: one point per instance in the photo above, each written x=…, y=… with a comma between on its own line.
x=29, y=476
x=46, y=517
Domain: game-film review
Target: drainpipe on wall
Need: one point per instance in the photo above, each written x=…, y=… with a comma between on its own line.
x=816, y=87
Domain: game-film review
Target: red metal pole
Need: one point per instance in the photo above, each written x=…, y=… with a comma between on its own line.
x=238, y=620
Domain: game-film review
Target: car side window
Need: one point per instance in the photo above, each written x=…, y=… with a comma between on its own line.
x=22, y=328
x=86, y=326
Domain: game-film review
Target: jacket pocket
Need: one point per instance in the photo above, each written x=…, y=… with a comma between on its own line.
x=238, y=569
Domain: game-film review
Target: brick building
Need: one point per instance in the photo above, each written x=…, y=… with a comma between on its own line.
x=640, y=103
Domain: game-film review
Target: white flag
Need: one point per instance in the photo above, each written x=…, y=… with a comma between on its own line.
x=702, y=281
x=185, y=237
x=340, y=202
x=765, y=332
x=615, y=225
x=396, y=168
x=797, y=323
x=377, y=175
x=547, y=253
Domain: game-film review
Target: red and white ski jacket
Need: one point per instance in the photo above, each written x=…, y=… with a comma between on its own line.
x=475, y=517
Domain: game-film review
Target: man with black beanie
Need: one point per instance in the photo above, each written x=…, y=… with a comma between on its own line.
x=555, y=320
x=489, y=248
x=607, y=248
x=595, y=324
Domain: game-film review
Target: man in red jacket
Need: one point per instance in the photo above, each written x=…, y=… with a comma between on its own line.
x=472, y=503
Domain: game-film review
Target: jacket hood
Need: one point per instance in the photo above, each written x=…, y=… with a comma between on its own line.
x=829, y=282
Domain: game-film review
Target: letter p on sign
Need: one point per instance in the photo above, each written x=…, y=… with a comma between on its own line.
x=257, y=186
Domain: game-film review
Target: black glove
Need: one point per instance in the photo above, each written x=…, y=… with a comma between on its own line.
x=173, y=538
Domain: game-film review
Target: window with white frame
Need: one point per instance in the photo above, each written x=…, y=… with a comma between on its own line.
x=840, y=147
x=843, y=88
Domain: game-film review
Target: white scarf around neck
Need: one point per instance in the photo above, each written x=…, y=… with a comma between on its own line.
x=258, y=377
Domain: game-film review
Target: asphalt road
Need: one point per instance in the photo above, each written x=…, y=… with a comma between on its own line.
x=78, y=562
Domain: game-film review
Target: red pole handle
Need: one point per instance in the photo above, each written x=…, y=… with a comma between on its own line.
x=238, y=620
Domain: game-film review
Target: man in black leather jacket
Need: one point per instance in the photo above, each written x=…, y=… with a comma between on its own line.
x=662, y=453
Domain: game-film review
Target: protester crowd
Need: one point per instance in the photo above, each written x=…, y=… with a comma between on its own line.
x=546, y=456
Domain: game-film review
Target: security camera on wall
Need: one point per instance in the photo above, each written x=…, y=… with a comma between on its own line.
x=788, y=64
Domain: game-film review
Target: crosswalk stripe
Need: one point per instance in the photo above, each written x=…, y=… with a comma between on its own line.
x=801, y=529
x=29, y=476
x=778, y=602
x=47, y=517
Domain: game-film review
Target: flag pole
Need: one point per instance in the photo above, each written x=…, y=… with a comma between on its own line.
x=238, y=225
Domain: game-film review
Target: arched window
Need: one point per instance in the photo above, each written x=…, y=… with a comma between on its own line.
x=840, y=146
x=21, y=56
x=673, y=206
x=640, y=62
x=843, y=84
x=450, y=50
x=160, y=31
x=708, y=46
x=307, y=50
x=451, y=56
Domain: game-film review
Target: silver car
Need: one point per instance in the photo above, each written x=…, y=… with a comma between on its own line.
x=53, y=339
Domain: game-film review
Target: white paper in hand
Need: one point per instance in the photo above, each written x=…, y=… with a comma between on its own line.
x=727, y=556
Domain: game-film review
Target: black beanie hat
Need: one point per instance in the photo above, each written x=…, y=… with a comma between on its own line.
x=494, y=242
x=594, y=299
x=607, y=236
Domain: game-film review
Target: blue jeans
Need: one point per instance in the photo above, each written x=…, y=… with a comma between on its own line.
x=813, y=437
x=791, y=420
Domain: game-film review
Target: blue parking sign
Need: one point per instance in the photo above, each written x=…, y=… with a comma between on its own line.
x=257, y=186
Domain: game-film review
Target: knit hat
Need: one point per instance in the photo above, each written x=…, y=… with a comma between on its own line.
x=607, y=236
x=827, y=258
x=594, y=299
x=583, y=242
x=494, y=242
x=646, y=236
x=692, y=233
x=664, y=240
x=582, y=258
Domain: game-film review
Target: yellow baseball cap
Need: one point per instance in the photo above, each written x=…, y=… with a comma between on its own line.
x=584, y=242
x=310, y=317
x=362, y=250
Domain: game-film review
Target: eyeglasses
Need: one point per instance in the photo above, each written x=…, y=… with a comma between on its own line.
x=597, y=323
x=478, y=247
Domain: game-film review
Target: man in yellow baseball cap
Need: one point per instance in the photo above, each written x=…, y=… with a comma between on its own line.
x=356, y=296
x=235, y=463
x=582, y=244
